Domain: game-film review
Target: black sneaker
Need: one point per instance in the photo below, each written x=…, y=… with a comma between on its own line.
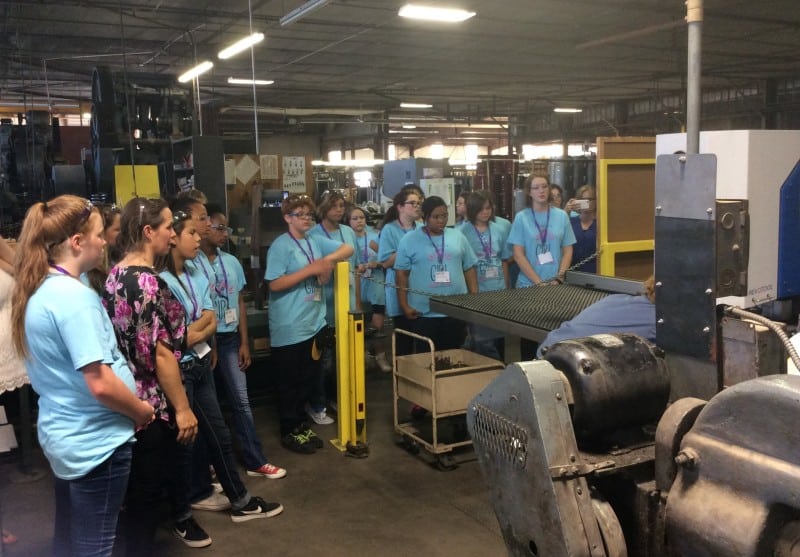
x=297, y=442
x=190, y=533
x=312, y=437
x=256, y=508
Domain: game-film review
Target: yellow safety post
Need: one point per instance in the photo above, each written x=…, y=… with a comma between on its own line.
x=350, y=381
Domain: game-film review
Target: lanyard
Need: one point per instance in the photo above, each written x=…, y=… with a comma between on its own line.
x=439, y=254
x=224, y=275
x=486, y=252
x=61, y=270
x=310, y=253
x=341, y=234
x=208, y=278
x=542, y=233
x=366, y=248
x=195, y=314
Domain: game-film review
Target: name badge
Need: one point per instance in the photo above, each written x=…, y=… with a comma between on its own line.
x=230, y=316
x=491, y=272
x=545, y=258
x=442, y=277
x=367, y=273
x=315, y=296
x=201, y=349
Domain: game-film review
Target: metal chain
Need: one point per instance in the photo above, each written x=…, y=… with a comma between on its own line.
x=585, y=260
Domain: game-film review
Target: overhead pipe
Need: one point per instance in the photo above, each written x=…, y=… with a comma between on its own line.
x=694, y=19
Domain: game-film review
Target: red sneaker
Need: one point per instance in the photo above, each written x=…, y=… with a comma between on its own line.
x=268, y=471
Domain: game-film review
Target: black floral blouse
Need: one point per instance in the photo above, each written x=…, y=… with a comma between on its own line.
x=144, y=312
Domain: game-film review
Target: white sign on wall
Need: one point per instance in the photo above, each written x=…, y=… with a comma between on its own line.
x=294, y=174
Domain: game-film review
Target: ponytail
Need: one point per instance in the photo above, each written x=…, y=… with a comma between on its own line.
x=45, y=229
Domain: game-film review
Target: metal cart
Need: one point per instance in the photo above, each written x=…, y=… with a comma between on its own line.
x=444, y=393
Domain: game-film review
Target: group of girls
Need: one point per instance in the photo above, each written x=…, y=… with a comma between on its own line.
x=423, y=258
x=133, y=366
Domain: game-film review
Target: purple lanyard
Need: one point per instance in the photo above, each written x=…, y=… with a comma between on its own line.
x=61, y=270
x=224, y=274
x=542, y=233
x=366, y=246
x=310, y=253
x=341, y=234
x=439, y=254
x=486, y=252
x=195, y=314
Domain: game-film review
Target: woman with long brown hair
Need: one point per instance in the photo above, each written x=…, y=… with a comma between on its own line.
x=88, y=408
x=149, y=326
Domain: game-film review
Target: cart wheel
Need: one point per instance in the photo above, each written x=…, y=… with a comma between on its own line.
x=409, y=445
x=446, y=463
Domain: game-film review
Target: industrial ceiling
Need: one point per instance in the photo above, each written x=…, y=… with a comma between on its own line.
x=356, y=60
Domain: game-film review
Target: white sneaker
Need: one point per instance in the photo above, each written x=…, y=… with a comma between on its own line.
x=320, y=417
x=383, y=363
x=214, y=502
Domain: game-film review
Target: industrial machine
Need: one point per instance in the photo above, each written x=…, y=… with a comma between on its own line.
x=613, y=446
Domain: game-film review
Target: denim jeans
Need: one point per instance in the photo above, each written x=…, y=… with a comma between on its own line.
x=153, y=465
x=199, y=384
x=234, y=381
x=87, y=508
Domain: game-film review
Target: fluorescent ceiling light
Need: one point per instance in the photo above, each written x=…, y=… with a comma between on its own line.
x=413, y=131
x=356, y=162
x=302, y=11
x=430, y=13
x=568, y=110
x=415, y=105
x=409, y=127
x=194, y=72
x=238, y=81
x=240, y=45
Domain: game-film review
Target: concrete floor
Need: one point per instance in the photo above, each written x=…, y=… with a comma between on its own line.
x=389, y=504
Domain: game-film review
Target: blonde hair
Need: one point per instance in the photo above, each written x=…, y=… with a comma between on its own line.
x=46, y=227
x=650, y=288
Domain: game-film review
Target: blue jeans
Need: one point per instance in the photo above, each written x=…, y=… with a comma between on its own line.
x=87, y=508
x=199, y=384
x=154, y=465
x=235, y=384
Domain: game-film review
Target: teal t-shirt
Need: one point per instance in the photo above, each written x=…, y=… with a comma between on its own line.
x=67, y=328
x=491, y=249
x=372, y=289
x=226, y=279
x=193, y=292
x=390, y=237
x=298, y=313
x=424, y=256
x=545, y=233
x=344, y=235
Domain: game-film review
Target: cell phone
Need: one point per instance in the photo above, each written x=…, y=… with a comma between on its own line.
x=583, y=203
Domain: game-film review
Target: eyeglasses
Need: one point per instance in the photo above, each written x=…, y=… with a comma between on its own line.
x=222, y=228
x=301, y=215
x=179, y=216
x=412, y=203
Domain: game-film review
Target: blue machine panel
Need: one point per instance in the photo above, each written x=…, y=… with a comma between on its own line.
x=789, y=236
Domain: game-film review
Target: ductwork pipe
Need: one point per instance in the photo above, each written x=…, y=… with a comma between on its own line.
x=694, y=19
